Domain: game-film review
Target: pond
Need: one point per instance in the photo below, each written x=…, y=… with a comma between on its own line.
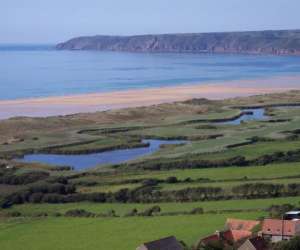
x=80, y=162
x=257, y=114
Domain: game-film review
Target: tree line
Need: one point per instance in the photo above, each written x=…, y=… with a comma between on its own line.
x=61, y=191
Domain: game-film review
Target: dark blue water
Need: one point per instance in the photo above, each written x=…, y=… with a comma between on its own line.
x=80, y=162
x=256, y=114
x=39, y=70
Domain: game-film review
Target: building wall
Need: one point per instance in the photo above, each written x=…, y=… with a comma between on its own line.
x=142, y=247
x=297, y=229
x=277, y=238
x=247, y=246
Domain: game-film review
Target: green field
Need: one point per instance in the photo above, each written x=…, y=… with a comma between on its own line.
x=216, y=174
x=112, y=234
x=39, y=195
x=121, y=209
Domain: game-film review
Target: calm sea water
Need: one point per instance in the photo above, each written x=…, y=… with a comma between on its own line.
x=39, y=70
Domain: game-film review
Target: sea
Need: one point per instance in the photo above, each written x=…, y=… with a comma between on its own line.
x=28, y=71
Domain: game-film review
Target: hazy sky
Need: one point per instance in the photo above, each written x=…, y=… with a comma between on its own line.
x=51, y=21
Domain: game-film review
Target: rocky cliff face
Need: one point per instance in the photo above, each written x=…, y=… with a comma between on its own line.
x=285, y=42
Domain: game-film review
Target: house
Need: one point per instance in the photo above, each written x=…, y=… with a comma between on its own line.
x=236, y=224
x=256, y=243
x=277, y=230
x=226, y=238
x=169, y=243
x=235, y=232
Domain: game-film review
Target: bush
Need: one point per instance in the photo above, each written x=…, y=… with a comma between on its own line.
x=150, y=211
x=23, y=179
x=14, y=214
x=41, y=214
x=277, y=211
x=188, y=179
x=133, y=212
x=111, y=213
x=36, y=198
x=79, y=213
x=171, y=179
x=197, y=210
x=52, y=198
x=57, y=214
x=150, y=182
x=293, y=244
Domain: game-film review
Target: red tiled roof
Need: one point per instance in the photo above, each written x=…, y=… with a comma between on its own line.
x=210, y=238
x=229, y=236
x=236, y=235
x=280, y=227
x=236, y=224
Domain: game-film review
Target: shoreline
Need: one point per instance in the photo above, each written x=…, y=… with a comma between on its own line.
x=83, y=103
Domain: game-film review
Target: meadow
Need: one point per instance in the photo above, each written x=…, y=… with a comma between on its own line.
x=36, y=198
x=111, y=233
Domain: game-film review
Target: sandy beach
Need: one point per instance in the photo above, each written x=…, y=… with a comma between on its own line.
x=63, y=105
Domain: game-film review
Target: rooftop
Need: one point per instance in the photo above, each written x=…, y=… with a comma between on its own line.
x=169, y=243
x=236, y=224
x=280, y=227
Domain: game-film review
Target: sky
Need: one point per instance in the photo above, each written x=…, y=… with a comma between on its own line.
x=52, y=21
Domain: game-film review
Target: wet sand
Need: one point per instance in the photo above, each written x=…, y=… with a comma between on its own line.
x=63, y=105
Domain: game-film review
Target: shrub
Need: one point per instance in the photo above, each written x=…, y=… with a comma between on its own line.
x=150, y=182
x=171, y=179
x=150, y=211
x=14, y=214
x=288, y=245
x=111, y=213
x=23, y=179
x=41, y=214
x=277, y=211
x=133, y=212
x=36, y=198
x=197, y=210
x=79, y=213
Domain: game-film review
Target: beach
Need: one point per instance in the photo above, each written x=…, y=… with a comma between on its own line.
x=71, y=104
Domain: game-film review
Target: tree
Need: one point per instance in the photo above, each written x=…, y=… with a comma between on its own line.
x=293, y=244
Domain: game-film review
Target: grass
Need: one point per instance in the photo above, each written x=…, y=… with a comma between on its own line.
x=106, y=188
x=9, y=189
x=122, y=209
x=216, y=174
x=255, y=150
x=226, y=178
x=109, y=233
x=227, y=186
x=167, y=120
x=117, y=128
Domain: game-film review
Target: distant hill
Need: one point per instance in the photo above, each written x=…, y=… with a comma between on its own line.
x=282, y=42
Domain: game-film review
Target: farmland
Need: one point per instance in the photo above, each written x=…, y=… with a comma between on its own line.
x=187, y=189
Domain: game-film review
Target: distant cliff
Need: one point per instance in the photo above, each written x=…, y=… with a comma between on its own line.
x=283, y=42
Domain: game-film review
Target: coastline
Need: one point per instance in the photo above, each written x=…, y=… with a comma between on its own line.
x=71, y=104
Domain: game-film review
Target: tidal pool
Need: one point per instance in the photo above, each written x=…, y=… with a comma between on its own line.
x=80, y=162
x=249, y=115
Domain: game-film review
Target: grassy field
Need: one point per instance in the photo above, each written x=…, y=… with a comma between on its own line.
x=227, y=186
x=122, y=209
x=216, y=174
x=195, y=121
x=108, y=233
x=124, y=233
